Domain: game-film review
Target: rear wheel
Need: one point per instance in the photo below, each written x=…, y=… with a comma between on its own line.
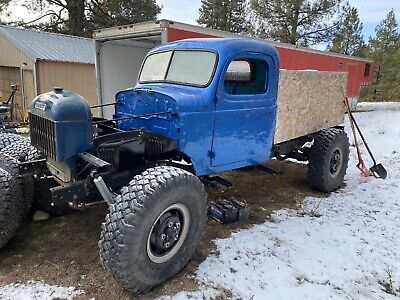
x=23, y=188
x=153, y=227
x=14, y=203
x=11, y=209
x=20, y=150
x=328, y=159
x=9, y=138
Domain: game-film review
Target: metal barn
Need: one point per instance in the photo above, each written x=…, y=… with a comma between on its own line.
x=38, y=61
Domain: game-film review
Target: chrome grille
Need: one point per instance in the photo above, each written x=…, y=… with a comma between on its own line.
x=43, y=135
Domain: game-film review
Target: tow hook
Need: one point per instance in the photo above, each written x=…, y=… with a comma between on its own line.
x=105, y=192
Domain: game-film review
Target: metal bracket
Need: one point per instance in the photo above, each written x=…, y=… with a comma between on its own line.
x=32, y=167
x=93, y=160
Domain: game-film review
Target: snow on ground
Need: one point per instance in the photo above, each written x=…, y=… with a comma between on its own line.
x=345, y=246
x=37, y=290
x=371, y=106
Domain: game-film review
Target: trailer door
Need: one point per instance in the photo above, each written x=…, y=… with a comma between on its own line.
x=244, y=112
x=118, y=63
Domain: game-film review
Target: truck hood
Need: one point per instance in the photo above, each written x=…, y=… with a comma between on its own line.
x=187, y=98
x=148, y=109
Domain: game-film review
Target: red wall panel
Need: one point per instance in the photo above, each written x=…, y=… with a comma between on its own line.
x=298, y=59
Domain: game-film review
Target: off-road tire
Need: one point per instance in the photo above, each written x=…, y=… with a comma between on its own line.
x=22, y=188
x=327, y=144
x=12, y=209
x=19, y=150
x=125, y=233
x=9, y=138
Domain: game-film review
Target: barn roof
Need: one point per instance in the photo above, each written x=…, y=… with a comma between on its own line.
x=40, y=45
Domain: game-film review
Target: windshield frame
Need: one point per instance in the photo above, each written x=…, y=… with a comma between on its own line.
x=169, y=64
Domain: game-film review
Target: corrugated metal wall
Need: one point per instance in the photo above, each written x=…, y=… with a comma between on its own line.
x=79, y=78
x=12, y=56
x=12, y=60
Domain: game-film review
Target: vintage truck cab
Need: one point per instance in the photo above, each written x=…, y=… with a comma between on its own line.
x=200, y=106
x=217, y=98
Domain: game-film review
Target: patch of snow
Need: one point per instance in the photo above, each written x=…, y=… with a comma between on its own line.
x=37, y=290
x=372, y=106
x=345, y=246
x=204, y=294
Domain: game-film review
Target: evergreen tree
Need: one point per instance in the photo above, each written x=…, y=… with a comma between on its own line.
x=387, y=37
x=298, y=22
x=106, y=13
x=384, y=49
x=227, y=15
x=348, y=38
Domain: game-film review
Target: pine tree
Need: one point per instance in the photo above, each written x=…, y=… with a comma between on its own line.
x=298, y=22
x=387, y=37
x=384, y=49
x=227, y=15
x=348, y=38
x=107, y=13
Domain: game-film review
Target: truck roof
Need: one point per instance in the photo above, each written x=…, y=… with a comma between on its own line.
x=224, y=46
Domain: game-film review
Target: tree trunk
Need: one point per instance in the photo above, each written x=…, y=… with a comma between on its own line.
x=76, y=17
x=295, y=21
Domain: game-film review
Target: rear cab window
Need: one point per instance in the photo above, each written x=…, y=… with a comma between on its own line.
x=246, y=77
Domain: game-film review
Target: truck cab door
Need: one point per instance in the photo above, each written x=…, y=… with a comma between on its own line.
x=245, y=112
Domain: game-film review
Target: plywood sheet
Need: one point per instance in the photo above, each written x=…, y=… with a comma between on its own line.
x=309, y=101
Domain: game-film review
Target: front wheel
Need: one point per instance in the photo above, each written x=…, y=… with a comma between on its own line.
x=153, y=228
x=328, y=159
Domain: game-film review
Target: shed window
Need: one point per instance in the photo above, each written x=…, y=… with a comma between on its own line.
x=246, y=77
x=367, y=69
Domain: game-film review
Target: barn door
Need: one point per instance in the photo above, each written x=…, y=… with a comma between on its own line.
x=28, y=91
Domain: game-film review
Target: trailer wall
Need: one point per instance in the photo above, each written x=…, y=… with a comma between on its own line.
x=360, y=71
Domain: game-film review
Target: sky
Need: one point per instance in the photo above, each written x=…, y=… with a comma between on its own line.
x=371, y=12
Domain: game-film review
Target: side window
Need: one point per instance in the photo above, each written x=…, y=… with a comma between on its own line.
x=246, y=77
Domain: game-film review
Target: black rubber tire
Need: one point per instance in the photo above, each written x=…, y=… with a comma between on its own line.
x=9, y=138
x=33, y=154
x=123, y=240
x=19, y=150
x=326, y=143
x=23, y=188
x=12, y=209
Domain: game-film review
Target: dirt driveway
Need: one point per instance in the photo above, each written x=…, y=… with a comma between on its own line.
x=63, y=250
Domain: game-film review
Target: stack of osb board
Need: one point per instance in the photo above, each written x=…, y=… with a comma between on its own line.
x=309, y=101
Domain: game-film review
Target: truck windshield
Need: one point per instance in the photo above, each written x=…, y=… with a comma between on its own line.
x=189, y=67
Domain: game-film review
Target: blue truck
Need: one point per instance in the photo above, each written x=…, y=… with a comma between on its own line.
x=200, y=107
